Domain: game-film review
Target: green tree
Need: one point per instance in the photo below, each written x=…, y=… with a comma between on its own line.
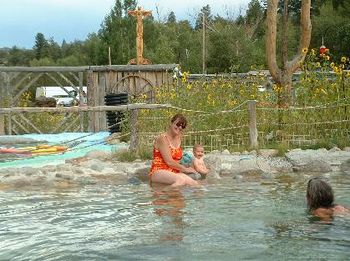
x=19, y=57
x=41, y=46
x=333, y=27
x=205, y=11
x=118, y=32
x=171, y=18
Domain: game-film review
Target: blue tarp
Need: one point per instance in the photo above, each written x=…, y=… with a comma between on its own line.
x=78, y=142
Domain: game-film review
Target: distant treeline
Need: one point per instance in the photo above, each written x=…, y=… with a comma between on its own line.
x=234, y=43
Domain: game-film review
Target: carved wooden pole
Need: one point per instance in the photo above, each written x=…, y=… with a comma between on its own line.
x=139, y=13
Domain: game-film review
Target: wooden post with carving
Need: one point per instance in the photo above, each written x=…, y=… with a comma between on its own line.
x=139, y=13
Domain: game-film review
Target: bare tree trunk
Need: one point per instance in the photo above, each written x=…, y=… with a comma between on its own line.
x=285, y=36
x=283, y=76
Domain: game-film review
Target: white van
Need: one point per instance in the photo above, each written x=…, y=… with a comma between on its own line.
x=63, y=98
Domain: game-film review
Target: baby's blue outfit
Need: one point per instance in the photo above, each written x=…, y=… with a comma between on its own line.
x=187, y=159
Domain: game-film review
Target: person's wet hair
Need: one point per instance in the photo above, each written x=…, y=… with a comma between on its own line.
x=181, y=120
x=319, y=194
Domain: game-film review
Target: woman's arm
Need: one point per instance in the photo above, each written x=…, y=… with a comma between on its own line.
x=163, y=146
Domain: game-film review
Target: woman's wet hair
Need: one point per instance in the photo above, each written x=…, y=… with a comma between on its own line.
x=319, y=194
x=180, y=119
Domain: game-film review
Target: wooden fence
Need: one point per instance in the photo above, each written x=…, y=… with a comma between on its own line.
x=17, y=83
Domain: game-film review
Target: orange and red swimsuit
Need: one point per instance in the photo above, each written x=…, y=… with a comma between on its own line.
x=159, y=163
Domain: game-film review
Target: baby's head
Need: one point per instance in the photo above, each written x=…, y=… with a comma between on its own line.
x=319, y=194
x=198, y=151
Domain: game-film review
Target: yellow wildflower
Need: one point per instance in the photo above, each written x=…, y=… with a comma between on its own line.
x=318, y=65
x=304, y=50
x=332, y=65
x=327, y=57
x=343, y=59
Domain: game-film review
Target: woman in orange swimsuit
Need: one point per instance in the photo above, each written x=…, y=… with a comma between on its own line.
x=167, y=153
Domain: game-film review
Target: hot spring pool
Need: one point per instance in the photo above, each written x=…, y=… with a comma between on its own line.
x=255, y=219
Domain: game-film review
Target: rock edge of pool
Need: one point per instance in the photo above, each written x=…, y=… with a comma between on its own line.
x=99, y=166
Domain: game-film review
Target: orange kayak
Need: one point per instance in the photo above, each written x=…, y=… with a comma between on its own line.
x=14, y=151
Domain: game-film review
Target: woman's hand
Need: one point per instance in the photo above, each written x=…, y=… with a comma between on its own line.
x=190, y=170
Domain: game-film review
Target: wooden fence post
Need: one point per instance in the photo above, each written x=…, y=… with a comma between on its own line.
x=81, y=99
x=253, y=131
x=8, y=100
x=134, y=140
x=92, y=94
x=2, y=104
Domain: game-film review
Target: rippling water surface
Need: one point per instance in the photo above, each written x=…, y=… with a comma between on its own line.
x=228, y=220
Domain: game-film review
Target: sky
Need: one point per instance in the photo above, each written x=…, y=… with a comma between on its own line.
x=73, y=20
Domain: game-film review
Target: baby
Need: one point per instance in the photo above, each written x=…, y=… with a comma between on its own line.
x=198, y=162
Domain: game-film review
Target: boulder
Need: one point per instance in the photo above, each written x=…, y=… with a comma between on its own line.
x=266, y=153
x=98, y=154
x=345, y=167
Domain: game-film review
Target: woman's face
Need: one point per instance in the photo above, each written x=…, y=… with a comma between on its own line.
x=177, y=127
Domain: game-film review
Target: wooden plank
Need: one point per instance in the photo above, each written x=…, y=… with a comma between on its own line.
x=118, y=68
x=102, y=93
x=9, y=127
x=67, y=81
x=29, y=123
x=60, y=124
x=81, y=100
x=9, y=101
x=2, y=103
x=100, y=84
x=72, y=124
x=91, y=89
x=135, y=68
x=20, y=125
x=25, y=88
x=134, y=140
x=20, y=82
x=43, y=69
x=125, y=107
x=75, y=76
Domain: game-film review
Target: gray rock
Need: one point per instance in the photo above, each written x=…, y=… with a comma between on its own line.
x=29, y=171
x=134, y=181
x=14, y=140
x=345, y=167
x=97, y=154
x=97, y=167
x=334, y=149
x=268, y=153
x=253, y=153
x=226, y=152
x=314, y=166
x=195, y=176
x=86, y=180
x=64, y=175
x=63, y=167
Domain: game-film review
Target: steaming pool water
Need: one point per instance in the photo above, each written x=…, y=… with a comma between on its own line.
x=251, y=218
